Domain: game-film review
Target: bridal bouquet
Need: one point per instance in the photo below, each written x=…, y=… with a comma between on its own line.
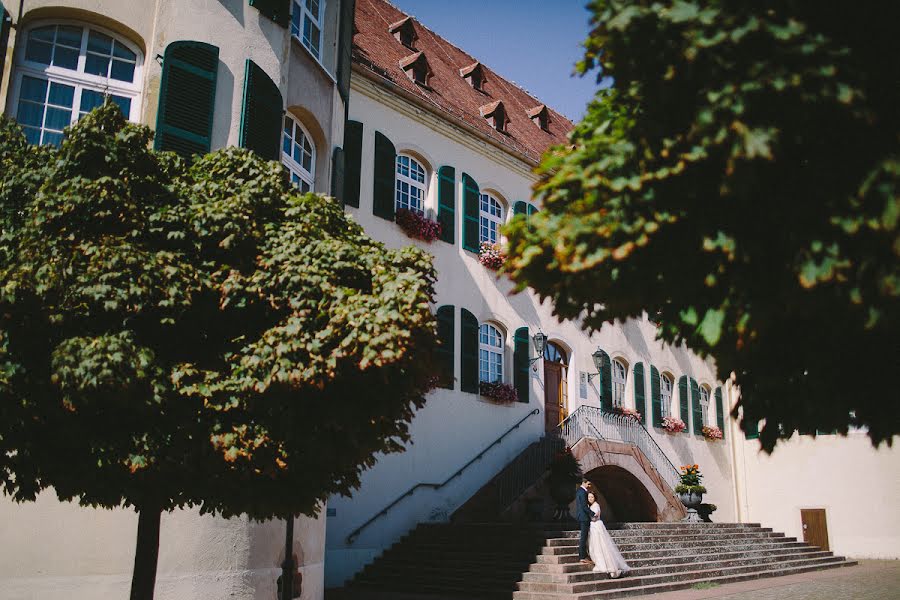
x=712, y=433
x=673, y=424
x=417, y=226
x=491, y=255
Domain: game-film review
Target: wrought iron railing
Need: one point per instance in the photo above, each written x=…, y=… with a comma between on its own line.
x=436, y=486
x=526, y=469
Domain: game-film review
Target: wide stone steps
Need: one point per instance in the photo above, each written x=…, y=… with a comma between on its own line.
x=540, y=561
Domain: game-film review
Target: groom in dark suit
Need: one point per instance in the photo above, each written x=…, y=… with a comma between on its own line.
x=583, y=515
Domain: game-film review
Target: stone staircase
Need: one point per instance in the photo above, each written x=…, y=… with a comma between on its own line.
x=540, y=562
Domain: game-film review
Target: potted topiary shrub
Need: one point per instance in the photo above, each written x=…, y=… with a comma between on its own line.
x=691, y=491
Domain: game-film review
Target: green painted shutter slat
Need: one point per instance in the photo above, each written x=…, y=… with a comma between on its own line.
x=345, y=44
x=685, y=412
x=655, y=397
x=520, y=208
x=446, y=350
x=640, y=399
x=385, y=165
x=187, y=95
x=606, y=402
x=447, y=203
x=262, y=114
x=720, y=411
x=353, y=134
x=696, y=409
x=338, y=174
x=521, y=365
x=471, y=198
x=468, y=352
x=276, y=10
x=532, y=209
x=5, y=26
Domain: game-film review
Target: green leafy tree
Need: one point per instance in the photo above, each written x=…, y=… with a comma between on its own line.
x=202, y=335
x=739, y=183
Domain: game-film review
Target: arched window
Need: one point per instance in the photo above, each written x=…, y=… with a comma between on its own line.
x=66, y=70
x=619, y=371
x=553, y=352
x=665, y=393
x=306, y=24
x=490, y=354
x=490, y=219
x=410, y=184
x=704, y=404
x=298, y=154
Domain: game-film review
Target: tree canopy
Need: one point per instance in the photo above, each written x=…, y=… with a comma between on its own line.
x=739, y=184
x=176, y=334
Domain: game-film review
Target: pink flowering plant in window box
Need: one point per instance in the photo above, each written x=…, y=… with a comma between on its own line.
x=673, y=424
x=712, y=433
x=498, y=391
x=491, y=255
x=626, y=412
x=417, y=226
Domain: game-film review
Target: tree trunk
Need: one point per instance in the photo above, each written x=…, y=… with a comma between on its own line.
x=146, y=555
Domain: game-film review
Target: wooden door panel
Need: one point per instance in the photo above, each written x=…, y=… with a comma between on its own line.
x=552, y=377
x=815, y=527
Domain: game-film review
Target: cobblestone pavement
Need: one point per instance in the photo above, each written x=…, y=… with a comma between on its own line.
x=870, y=580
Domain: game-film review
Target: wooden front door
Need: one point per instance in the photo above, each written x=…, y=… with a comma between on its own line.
x=815, y=529
x=554, y=395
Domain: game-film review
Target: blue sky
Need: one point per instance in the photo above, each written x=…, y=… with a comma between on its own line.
x=534, y=43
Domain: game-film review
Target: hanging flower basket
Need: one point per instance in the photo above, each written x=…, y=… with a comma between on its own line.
x=712, y=433
x=626, y=412
x=498, y=392
x=417, y=226
x=673, y=424
x=491, y=255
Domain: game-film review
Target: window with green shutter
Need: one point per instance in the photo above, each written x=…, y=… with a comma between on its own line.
x=520, y=208
x=447, y=203
x=187, y=96
x=353, y=135
x=5, y=25
x=655, y=397
x=385, y=165
x=471, y=197
x=683, y=403
x=468, y=352
x=696, y=408
x=345, y=45
x=640, y=400
x=606, y=392
x=521, y=376
x=720, y=411
x=262, y=113
x=276, y=10
x=446, y=324
x=338, y=175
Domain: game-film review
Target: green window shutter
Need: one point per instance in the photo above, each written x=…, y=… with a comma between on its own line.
x=5, y=25
x=338, y=175
x=468, y=352
x=277, y=10
x=696, y=408
x=752, y=431
x=606, y=402
x=345, y=44
x=385, y=166
x=655, y=397
x=640, y=400
x=353, y=134
x=446, y=350
x=532, y=209
x=685, y=412
x=262, y=115
x=471, y=198
x=720, y=411
x=447, y=203
x=520, y=208
x=187, y=96
x=521, y=378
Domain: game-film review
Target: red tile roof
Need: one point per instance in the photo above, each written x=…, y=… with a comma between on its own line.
x=380, y=55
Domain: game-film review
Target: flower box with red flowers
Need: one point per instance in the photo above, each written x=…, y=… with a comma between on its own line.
x=626, y=412
x=673, y=424
x=498, y=392
x=712, y=433
x=417, y=225
x=491, y=255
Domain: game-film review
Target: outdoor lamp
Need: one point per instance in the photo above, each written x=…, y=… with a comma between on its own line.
x=539, y=340
x=598, y=363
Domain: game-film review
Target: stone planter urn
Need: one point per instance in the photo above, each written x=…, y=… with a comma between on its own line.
x=691, y=501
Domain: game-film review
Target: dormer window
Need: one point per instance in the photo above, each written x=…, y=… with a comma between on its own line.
x=416, y=68
x=539, y=116
x=404, y=32
x=495, y=113
x=474, y=74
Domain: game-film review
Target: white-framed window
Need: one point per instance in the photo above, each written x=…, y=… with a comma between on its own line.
x=490, y=354
x=704, y=404
x=619, y=371
x=410, y=190
x=306, y=24
x=665, y=393
x=65, y=70
x=298, y=154
x=490, y=219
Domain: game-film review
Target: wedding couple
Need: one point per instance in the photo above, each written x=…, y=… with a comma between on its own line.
x=595, y=539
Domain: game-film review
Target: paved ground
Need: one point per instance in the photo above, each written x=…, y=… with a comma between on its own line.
x=870, y=580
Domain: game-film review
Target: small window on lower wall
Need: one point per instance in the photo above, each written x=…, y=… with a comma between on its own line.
x=490, y=354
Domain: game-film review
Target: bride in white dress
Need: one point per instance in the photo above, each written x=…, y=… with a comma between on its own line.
x=601, y=547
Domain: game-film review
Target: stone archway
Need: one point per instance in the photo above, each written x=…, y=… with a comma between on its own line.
x=625, y=497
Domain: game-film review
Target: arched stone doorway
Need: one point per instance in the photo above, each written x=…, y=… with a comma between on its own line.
x=622, y=497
